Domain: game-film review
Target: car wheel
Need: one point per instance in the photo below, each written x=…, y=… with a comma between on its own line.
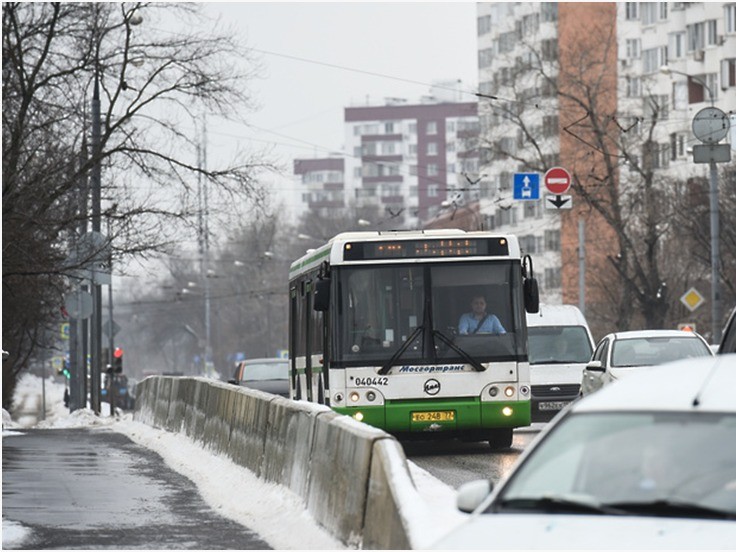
x=501, y=438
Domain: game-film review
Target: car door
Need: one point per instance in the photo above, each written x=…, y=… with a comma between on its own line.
x=593, y=376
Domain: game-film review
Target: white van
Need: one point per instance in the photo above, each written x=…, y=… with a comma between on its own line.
x=560, y=346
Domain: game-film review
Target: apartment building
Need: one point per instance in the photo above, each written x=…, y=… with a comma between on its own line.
x=405, y=159
x=666, y=60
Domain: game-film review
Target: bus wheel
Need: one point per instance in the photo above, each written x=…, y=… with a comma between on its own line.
x=501, y=438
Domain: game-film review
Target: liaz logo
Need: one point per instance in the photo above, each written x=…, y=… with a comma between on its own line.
x=431, y=387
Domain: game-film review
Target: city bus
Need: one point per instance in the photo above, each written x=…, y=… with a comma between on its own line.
x=375, y=333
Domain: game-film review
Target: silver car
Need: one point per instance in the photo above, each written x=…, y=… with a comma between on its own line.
x=648, y=463
x=620, y=354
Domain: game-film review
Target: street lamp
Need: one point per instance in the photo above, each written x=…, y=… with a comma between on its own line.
x=715, y=261
x=667, y=70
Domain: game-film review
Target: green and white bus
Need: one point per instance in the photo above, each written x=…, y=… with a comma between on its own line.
x=373, y=332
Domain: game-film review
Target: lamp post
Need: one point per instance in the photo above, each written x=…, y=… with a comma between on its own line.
x=715, y=294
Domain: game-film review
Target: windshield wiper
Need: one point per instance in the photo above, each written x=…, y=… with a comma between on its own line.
x=465, y=356
x=559, y=503
x=673, y=508
x=404, y=346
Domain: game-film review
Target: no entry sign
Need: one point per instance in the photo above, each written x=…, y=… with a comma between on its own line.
x=557, y=180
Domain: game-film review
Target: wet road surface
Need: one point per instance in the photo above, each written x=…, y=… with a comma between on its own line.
x=94, y=489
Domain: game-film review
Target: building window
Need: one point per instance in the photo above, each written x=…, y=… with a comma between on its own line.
x=485, y=57
x=552, y=240
x=676, y=45
x=413, y=170
x=633, y=48
x=728, y=73
x=357, y=172
x=550, y=125
x=730, y=17
x=412, y=149
x=677, y=146
x=484, y=24
x=679, y=95
x=432, y=169
x=695, y=36
x=553, y=278
x=412, y=128
x=663, y=10
x=712, y=28
x=549, y=50
x=432, y=127
x=431, y=148
x=653, y=59
x=711, y=79
x=633, y=87
x=549, y=11
x=648, y=13
x=655, y=107
x=433, y=190
x=632, y=11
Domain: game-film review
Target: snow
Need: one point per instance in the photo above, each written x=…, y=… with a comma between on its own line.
x=274, y=512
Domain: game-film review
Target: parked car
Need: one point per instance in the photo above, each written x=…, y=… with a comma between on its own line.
x=648, y=463
x=728, y=340
x=560, y=345
x=266, y=374
x=620, y=354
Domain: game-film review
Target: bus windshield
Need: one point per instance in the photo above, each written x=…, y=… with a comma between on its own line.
x=407, y=314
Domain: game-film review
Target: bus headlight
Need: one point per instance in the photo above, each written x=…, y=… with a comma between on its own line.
x=358, y=416
x=509, y=391
x=354, y=396
x=507, y=411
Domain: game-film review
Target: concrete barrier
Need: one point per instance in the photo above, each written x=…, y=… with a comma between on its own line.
x=353, y=478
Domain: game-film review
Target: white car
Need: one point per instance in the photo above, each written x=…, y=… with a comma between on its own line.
x=648, y=463
x=620, y=354
x=560, y=346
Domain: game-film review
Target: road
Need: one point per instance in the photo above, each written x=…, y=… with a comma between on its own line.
x=77, y=488
x=455, y=463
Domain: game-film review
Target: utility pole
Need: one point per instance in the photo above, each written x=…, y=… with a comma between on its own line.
x=96, y=330
x=204, y=243
x=581, y=265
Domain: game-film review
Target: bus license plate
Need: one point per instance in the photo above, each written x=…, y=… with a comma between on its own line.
x=553, y=405
x=441, y=416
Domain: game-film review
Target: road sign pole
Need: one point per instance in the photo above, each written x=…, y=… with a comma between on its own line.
x=715, y=292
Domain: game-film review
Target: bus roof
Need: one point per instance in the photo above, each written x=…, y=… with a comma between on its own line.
x=313, y=257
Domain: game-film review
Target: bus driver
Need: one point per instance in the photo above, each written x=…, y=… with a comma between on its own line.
x=479, y=321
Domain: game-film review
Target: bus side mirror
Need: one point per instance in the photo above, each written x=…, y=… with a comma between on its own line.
x=322, y=294
x=531, y=295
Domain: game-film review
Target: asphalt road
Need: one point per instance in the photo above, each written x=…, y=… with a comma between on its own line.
x=96, y=489
x=455, y=462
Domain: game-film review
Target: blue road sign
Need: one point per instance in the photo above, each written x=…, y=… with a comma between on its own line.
x=526, y=186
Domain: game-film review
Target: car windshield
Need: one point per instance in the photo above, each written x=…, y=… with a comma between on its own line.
x=641, y=463
x=558, y=345
x=655, y=350
x=266, y=371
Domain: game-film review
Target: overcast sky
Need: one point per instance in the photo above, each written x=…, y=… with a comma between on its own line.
x=319, y=58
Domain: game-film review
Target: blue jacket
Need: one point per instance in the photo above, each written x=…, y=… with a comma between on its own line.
x=491, y=324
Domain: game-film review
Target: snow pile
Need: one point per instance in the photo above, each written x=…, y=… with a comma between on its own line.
x=274, y=512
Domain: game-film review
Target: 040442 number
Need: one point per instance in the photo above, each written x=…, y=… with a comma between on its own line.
x=371, y=381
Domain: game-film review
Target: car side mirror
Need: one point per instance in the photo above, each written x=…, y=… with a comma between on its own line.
x=471, y=495
x=595, y=366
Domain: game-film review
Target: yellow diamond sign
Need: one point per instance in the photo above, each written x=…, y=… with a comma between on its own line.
x=692, y=299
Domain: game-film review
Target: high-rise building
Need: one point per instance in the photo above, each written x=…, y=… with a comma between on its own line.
x=646, y=68
x=408, y=160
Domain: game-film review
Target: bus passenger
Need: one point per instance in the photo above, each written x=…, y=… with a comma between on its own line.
x=479, y=321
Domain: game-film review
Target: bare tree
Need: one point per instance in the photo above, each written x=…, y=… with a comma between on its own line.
x=153, y=86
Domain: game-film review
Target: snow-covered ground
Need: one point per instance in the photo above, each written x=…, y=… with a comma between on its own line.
x=274, y=512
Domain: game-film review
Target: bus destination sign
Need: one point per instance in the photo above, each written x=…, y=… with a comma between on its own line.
x=426, y=248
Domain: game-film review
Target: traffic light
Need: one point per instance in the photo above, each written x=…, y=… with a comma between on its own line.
x=117, y=360
x=65, y=369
